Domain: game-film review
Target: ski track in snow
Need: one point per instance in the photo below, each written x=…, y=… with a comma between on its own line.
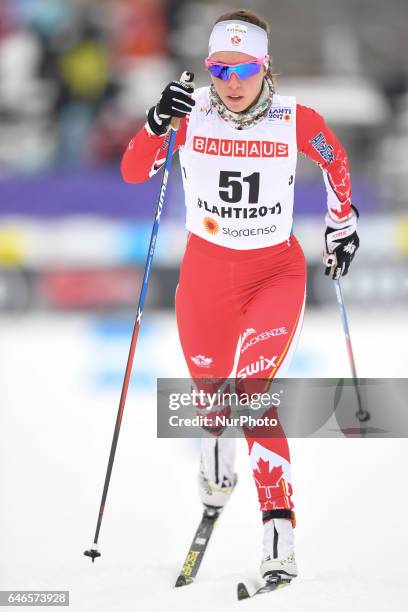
x=60, y=392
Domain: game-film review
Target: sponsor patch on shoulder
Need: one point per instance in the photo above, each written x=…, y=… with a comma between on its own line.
x=280, y=114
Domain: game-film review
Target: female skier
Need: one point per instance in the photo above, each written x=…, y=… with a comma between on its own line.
x=241, y=293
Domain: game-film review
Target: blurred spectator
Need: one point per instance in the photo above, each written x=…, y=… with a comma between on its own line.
x=6, y=18
x=71, y=75
x=84, y=80
x=139, y=29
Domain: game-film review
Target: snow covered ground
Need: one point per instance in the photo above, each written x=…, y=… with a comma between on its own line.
x=60, y=381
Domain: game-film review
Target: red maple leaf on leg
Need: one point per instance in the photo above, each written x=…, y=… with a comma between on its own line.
x=266, y=478
x=274, y=492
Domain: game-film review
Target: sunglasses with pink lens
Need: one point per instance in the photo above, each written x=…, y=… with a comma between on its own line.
x=243, y=71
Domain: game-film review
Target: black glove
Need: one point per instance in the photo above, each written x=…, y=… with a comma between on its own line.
x=341, y=244
x=175, y=101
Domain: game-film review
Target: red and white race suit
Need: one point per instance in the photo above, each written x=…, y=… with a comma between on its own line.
x=241, y=293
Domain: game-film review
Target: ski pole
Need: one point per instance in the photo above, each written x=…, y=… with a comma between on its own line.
x=93, y=552
x=361, y=414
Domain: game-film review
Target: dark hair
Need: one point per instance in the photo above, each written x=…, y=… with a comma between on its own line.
x=250, y=17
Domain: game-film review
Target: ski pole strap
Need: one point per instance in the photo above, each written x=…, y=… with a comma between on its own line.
x=267, y=515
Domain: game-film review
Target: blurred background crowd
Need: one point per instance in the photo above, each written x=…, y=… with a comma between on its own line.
x=76, y=78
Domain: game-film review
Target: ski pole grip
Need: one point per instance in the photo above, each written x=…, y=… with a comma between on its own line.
x=186, y=77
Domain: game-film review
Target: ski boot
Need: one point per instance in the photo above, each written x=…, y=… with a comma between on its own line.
x=278, y=558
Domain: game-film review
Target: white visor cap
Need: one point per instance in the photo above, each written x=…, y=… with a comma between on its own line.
x=238, y=36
